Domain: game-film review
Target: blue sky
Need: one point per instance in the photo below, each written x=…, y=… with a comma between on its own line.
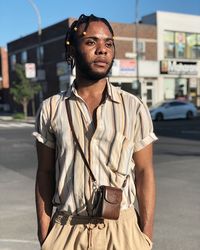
x=18, y=18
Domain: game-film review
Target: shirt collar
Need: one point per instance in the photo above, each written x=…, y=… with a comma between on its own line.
x=70, y=91
x=112, y=92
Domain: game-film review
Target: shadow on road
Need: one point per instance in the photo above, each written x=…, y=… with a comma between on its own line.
x=182, y=129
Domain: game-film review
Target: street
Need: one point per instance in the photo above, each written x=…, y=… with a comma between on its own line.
x=177, y=170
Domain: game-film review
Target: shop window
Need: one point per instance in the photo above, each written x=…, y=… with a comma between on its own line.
x=180, y=40
x=169, y=44
x=131, y=87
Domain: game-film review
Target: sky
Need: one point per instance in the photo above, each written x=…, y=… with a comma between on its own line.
x=18, y=18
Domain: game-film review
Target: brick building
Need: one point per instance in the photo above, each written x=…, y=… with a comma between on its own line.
x=4, y=80
x=47, y=52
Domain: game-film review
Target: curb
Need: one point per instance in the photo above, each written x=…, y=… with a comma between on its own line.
x=11, y=119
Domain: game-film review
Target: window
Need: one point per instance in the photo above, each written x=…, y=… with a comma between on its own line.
x=131, y=87
x=40, y=54
x=181, y=45
x=174, y=104
x=13, y=61
x=169, y=44
x=140, y=49
x=24, y=57
x=191, y=46
x=198, y=47
x=180, y=40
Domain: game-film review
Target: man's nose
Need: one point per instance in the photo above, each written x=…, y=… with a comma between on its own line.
x=101, y=48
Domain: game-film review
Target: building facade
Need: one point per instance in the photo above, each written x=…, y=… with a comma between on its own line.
x=178, y=40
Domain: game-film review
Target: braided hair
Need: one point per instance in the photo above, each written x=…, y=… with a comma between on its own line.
x=71, y=36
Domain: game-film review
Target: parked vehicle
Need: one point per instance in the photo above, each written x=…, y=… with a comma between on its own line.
x=174, y=109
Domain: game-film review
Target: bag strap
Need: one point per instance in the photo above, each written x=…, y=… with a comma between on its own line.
x=77, y=142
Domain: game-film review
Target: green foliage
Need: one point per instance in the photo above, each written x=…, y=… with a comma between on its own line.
x=23, y=90
x=19, y=116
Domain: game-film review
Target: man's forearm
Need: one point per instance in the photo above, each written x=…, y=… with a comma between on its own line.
x=44, y=193
x=145, y=185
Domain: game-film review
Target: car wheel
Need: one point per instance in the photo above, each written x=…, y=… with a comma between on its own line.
x=159, y=117
x=189, y=115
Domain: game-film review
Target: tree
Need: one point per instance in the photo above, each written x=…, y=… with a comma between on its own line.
x=23, y=90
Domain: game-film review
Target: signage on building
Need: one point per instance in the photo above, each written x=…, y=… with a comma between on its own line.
x=124, y=67
x=30, y=70
x=178, y=68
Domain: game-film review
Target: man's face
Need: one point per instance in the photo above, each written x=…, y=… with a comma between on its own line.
x=94, y=52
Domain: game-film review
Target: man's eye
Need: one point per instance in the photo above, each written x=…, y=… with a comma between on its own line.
x=90, y=42
x=109, y=44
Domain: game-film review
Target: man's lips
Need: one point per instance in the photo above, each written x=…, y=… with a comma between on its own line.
x=101, y=63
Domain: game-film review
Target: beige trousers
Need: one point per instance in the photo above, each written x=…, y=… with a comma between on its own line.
x=87, y=233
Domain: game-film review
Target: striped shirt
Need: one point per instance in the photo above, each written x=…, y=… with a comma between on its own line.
x=123, y=126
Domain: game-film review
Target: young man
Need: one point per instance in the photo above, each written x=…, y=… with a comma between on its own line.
x=115, y=132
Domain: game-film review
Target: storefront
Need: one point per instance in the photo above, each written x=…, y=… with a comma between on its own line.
x=178, y=40
x=181, y=79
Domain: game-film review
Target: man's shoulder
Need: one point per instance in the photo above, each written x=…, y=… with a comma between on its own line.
x=55, y=99
x=52, y=104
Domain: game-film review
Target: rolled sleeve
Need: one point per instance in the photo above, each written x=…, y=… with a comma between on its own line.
x=144, y=134
x=43, y=129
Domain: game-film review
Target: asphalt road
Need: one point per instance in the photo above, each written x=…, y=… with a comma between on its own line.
x=177, y=170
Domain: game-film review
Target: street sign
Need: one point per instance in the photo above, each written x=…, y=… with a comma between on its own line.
x=30, y=71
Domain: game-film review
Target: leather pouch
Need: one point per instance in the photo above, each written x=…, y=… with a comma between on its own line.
x=107, y=202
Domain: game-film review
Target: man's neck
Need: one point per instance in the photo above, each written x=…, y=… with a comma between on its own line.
x=90, y=88
x=93, y=93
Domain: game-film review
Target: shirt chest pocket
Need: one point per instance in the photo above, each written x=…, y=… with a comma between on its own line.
x=120, y=154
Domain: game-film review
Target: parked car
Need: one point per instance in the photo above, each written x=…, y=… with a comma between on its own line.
x=174, y=109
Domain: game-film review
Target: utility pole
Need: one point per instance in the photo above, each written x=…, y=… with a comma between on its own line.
x=136, y=46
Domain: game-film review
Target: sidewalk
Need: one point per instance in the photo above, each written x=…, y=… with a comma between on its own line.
x=18, y=217
x=9, y=118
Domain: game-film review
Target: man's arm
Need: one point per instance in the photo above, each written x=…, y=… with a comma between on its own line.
x=145, y=188
x=44, y=188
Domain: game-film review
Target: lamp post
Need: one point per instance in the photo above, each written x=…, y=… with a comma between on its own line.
x=38, y=17
x=39, y=20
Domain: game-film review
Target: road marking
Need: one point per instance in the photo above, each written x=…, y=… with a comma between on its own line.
x=19, y=241
x=16, y=125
